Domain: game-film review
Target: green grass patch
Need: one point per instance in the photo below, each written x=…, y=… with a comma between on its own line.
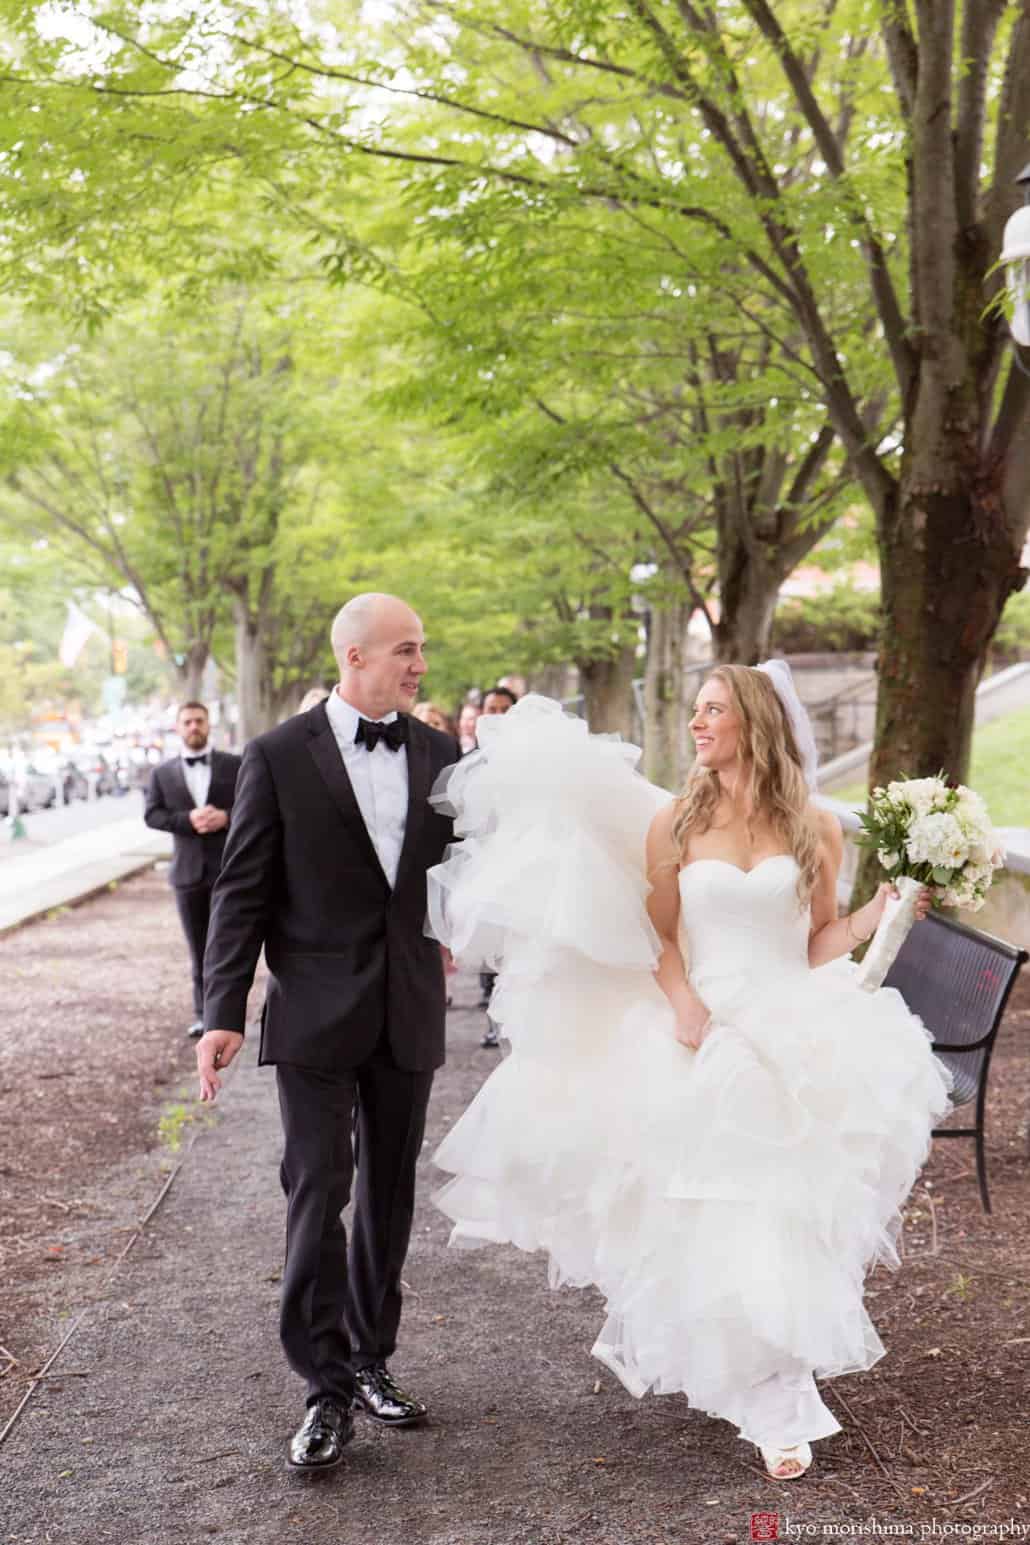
x=1000, y=772
x=179, y=1118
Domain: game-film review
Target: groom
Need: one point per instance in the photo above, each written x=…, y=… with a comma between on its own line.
x=325, y=866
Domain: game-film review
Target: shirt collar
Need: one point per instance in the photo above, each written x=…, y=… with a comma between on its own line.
x=205, y=750
x=343, y=717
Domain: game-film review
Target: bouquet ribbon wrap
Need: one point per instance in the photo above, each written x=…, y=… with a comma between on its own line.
x=892, y=931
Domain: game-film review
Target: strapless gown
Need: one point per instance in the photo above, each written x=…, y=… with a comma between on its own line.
x=727, y=1203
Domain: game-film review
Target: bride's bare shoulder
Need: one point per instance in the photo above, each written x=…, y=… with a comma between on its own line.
x=663, y=821
x=828, y=830
x=662, y=847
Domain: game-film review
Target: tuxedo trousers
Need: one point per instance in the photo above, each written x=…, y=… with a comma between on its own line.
x=194, y=905
x=360, y=1128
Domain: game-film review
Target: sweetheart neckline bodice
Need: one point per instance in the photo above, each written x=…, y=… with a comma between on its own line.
x=728, y=864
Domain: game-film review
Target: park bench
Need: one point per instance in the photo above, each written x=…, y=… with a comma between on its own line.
x=958, y=981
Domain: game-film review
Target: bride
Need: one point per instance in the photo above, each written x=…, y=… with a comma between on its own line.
x=702, y=1113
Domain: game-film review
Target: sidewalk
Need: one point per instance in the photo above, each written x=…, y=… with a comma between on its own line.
x=164, y=1420
x=61, y=874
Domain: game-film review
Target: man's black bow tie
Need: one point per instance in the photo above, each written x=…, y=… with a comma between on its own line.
x=202, y=761
x=370, y=731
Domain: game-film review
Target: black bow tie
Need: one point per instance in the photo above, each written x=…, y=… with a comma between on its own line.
x=194, y=761
x=370, y=731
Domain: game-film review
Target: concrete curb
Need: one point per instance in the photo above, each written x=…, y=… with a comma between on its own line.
x=72, y=889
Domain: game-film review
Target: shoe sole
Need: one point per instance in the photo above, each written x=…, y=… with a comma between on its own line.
x=391, y=1421
x=301, y=1469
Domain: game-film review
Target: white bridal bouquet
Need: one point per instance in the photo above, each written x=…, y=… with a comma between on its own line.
x=925, y=833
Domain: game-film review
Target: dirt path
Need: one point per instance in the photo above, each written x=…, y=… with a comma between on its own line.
x=164, y=1418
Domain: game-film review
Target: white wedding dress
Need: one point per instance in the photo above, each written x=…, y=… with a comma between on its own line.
x=727, y=1203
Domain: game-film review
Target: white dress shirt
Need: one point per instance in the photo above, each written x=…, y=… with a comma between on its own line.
x=198, y=779
x=379, y=779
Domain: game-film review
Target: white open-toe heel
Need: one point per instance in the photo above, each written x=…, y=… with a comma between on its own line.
x=787, y=1464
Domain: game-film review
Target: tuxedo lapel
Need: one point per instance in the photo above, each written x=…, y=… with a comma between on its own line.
x=326, y=753
x=220, y=791
x=419, y=779
x=177, y=790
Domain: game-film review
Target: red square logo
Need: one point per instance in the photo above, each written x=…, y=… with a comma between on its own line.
x=765, y=1526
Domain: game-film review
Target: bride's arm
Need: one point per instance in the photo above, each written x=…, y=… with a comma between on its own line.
x=832, y=936
x=663, y=908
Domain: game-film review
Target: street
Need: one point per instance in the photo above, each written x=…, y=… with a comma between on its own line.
x=45, y=827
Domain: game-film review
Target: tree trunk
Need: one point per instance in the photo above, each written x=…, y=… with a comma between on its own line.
x=252, y=667
x=284, y=703
x=189, y=672
x=665, y=735
x=947, y=569
x=748, y=589
x=608, y=692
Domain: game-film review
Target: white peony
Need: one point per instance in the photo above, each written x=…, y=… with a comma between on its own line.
x=921, y=795
x=937, y=839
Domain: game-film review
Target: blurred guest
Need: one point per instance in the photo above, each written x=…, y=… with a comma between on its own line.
x=191, y=796
x=498, y=700
x=313, y=696
x=433, y=715
x=467, y=727
x=514, y=683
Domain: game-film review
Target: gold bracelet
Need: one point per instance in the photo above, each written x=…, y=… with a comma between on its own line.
x=851, y=934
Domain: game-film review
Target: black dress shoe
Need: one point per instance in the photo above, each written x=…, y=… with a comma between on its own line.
x=378, y=1396
x=196, y=1030
x=320, y=1440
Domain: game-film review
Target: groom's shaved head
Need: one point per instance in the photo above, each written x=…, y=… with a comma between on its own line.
x=363, y=616
x=378, y=643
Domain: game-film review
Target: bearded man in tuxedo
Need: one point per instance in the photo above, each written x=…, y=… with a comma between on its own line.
x=191, y=796
x=325, y=866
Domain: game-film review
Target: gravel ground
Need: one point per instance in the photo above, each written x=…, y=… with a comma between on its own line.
x=166, y=1414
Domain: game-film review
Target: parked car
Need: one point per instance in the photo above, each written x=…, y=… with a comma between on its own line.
x=36, y=790
x=96, y=769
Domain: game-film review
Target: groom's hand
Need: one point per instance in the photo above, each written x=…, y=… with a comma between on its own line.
x=215, y=1051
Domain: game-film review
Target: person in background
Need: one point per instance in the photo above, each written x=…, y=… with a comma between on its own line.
x=498, y=700
x=191, y=796
x=433, y=715
x=467, y=718
x=515, y=683
x=313, y=696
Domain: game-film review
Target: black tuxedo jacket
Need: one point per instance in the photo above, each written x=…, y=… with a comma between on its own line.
x=196, y=857
x=347, y=957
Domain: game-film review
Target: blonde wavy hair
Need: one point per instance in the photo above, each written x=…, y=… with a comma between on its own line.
x=776, y=787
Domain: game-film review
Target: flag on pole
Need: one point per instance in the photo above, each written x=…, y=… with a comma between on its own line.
x=77, y=629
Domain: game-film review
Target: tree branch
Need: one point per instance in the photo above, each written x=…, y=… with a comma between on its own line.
x=329, y=72
x=980, y=20
x=831, y=151
x=902, y=54
x=933, y=221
